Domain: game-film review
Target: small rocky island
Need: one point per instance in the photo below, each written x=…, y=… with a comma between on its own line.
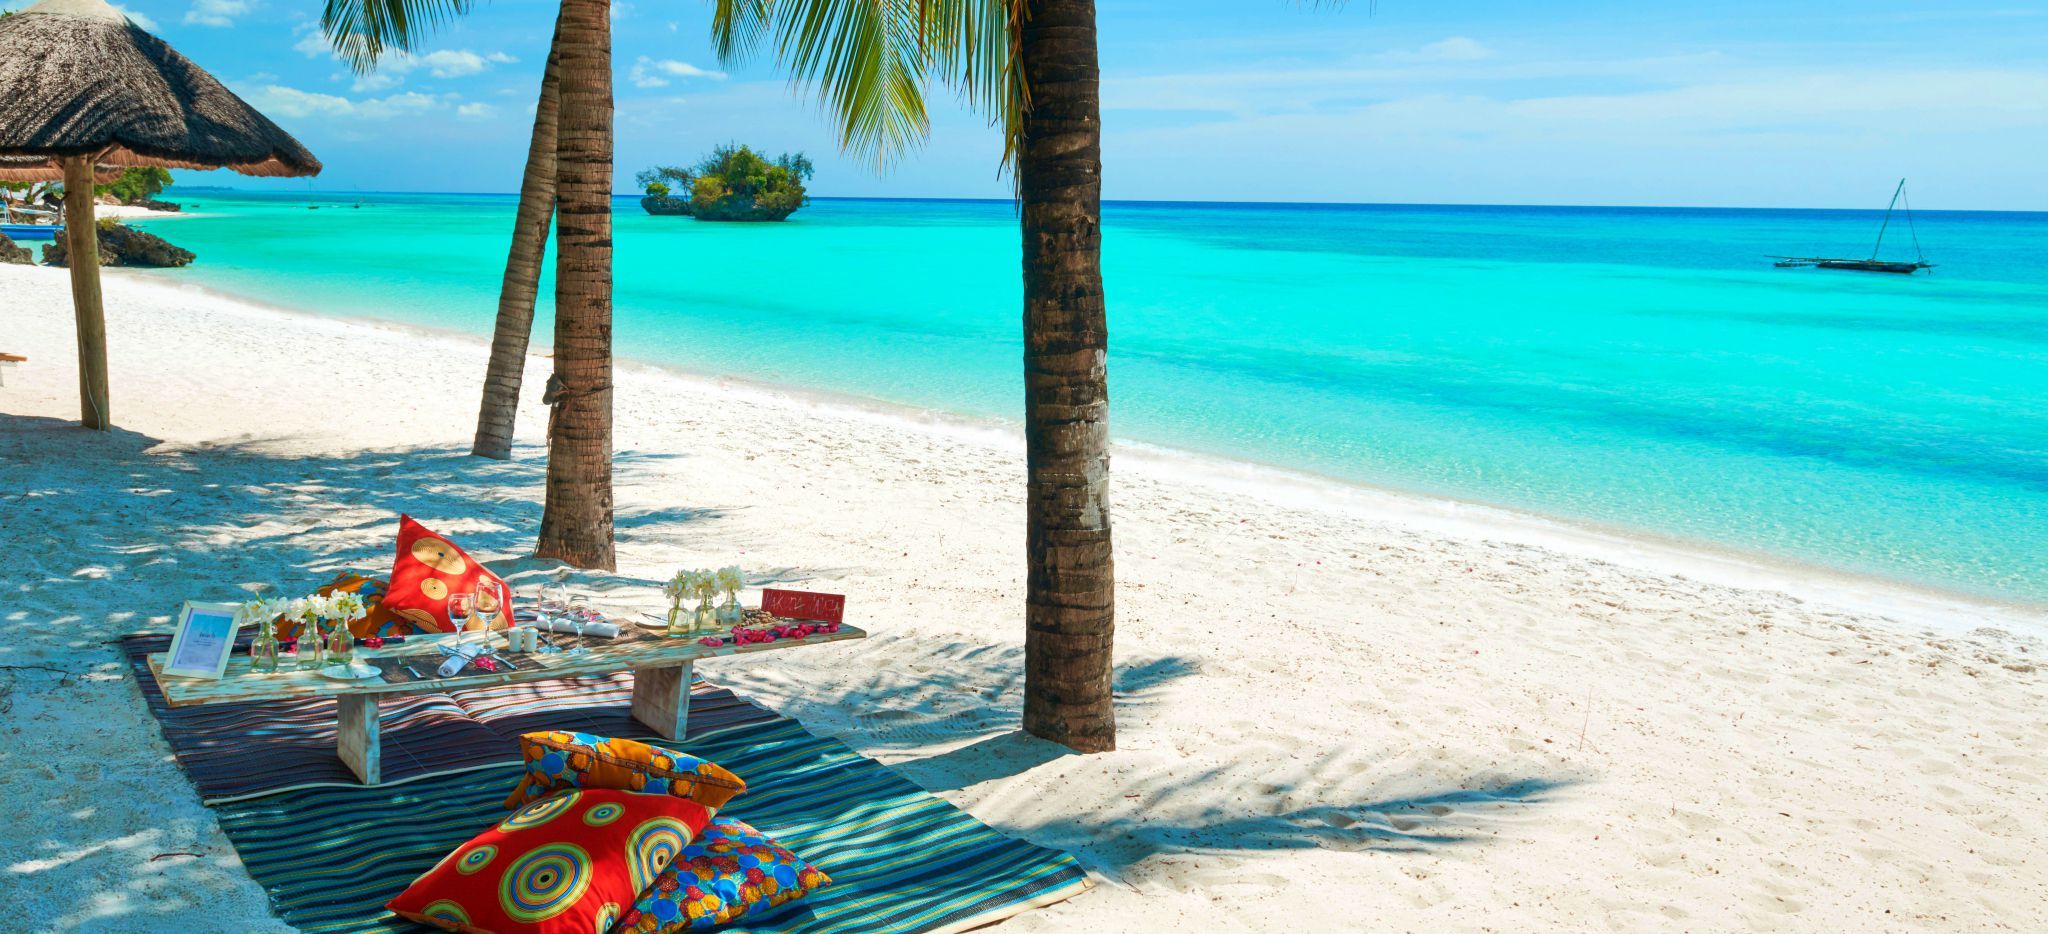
x=734, y=183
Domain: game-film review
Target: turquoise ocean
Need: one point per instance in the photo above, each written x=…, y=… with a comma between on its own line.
x=1636, y=368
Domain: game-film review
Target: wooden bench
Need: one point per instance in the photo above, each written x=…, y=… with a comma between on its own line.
x=8, y=360
x=661, y=670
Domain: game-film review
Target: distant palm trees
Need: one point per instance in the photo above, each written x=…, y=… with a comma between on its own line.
x=1031, y=65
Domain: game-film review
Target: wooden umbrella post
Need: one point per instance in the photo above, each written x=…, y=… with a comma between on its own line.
x=82, y=247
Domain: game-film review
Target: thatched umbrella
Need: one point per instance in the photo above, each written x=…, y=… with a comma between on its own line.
x=85, y=93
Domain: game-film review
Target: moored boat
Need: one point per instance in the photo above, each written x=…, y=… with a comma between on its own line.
x=1873, y=264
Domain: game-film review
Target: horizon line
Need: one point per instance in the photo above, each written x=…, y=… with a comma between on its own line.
x=1172, y=201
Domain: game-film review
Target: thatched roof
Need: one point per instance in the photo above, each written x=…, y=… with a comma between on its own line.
x=76, y=78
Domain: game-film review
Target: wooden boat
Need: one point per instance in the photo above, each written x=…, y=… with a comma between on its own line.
x=1873, y=264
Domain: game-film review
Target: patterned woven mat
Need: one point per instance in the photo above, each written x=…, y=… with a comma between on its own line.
x=330, y=851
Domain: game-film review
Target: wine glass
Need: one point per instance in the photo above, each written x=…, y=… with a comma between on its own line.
x=461, y=606
x=577, y=613
x=490, y=598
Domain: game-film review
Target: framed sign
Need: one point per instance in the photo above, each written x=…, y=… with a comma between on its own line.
x=798, y=604
x=205, y=639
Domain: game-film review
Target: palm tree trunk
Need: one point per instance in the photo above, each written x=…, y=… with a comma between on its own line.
x=494, y=421
x=1070, y=605
x=576, y=525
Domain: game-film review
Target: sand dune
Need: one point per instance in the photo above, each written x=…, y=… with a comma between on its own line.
x=1333, y=715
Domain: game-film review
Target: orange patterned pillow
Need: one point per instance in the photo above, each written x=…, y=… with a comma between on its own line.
x=379, y=622
x=557, y=759
x=428, y=569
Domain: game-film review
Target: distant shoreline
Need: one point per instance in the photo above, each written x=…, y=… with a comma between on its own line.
x=1932, y=607
x=633, y=197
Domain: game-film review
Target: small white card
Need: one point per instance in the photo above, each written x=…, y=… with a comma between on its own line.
x=204, y=642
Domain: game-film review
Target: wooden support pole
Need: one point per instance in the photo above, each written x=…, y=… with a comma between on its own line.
x=357, y=739
x=661, y=699
x=82, y=249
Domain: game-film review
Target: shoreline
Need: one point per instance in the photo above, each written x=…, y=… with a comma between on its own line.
x=1326, y=708
x=1929, y=607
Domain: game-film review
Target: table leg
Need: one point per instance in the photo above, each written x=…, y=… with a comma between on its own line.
x=357, y=741
x=661, y=699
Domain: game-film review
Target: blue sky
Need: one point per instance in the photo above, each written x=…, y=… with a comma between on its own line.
x=1734, y=103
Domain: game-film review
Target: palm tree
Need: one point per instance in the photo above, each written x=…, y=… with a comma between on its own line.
x=576, y=525
x=494, y=420
x=1031, y=65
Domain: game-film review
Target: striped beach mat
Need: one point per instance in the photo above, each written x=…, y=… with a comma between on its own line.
x=331, y=852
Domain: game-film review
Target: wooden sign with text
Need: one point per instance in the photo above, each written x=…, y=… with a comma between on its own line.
x=798, y=604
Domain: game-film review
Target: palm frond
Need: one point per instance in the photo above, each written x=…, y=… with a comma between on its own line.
x=363, y=31
x=870, y=62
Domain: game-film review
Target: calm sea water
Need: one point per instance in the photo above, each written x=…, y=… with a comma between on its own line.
x=1645, y=368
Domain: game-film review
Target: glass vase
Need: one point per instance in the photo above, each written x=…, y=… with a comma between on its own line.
x=310, y=637
x=730, y=613
x=706, y=617
x=263, y=648
x=678, y=622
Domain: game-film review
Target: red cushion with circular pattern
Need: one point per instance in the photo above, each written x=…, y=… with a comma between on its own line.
x=573, y=862
x=428, y=569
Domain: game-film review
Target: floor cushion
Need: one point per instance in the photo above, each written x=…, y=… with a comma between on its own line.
x=379, y=622
x=730, y=871
x=558, y=759
x=428, y=568
x=571, y=862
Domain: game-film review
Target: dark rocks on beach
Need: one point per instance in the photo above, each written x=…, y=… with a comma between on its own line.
x=11, y=252
x=665, y=206
x=121, y=245
x=155, y=205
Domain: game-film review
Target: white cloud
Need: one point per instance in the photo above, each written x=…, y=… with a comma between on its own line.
x=136, y=17
x=1454, y=49
x=476, y=111
x=621, y=10
x=392, y=70
x=654, y=73
x=381, y=80
x=313, y=44
x=216, y=12
x=289, y=102
x=455, y=63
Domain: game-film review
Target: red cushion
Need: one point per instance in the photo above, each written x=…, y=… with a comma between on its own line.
x=573, y=862
x=428, y=569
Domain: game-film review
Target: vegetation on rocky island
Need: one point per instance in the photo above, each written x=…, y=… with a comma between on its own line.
x=734, y=183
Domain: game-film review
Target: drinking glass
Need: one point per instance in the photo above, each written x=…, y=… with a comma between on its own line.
x=490, y=599
x=460, y=607
x=578, y=615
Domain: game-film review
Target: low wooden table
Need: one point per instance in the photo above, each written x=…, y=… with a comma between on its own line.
x=661, y=670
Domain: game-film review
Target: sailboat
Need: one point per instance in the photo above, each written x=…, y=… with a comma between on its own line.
x=1873, y=264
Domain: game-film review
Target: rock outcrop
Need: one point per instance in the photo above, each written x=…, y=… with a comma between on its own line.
x=121, y=245
x=11, y=252
x=742, y=208
x=665, y=206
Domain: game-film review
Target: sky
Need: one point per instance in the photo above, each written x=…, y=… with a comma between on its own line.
x=1736, y=103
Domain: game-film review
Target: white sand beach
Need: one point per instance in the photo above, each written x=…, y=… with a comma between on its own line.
x=1340, y=709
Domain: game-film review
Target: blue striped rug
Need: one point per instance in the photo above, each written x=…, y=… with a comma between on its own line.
x=901, y=860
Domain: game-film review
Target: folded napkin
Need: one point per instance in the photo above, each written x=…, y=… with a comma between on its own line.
x=594, y=630
x=533, y=619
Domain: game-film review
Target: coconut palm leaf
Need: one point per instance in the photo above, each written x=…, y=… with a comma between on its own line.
x=870, y=62
x=363, y=31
